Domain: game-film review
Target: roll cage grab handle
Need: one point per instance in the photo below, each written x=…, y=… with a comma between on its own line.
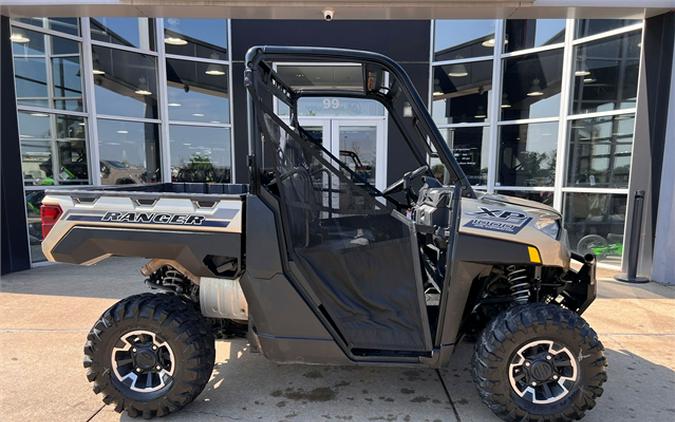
x=257, y=55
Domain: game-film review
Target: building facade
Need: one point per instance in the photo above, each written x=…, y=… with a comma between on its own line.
x=545, y=109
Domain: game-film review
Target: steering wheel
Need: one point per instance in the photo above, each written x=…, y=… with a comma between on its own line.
x=404, y=182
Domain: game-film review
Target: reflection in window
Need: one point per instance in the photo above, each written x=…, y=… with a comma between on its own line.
x=544, y=197
x=200, y=154
x=532, y=85
x=68, y=25
x=310, y=77
x=36, y=56
x=456, y=39
x=527, y=154
x=358, y=150
x=469, y=145
x=126, y=83
x=606, y=73
x=595, y=223
x=53, y=149
x=129, y=152
x=197, y=91
x=33, y=203
x=587, y=27
x=196, y=37
x=529, y=33
x=600, y=151
x=130, y=32
x=461, y=92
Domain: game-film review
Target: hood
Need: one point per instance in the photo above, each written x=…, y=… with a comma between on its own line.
x=514, y=200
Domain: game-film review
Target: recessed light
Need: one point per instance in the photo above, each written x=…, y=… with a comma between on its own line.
x=589, y=80
x=81, y=123
x=187, y=144
x=175, y=104
x=437, y=93
x=582, y=73
x=143, y=92
x=535, y=94
x=488, y=43
x=98, y=72
x=214, y=121
x=175, y=41
x=506, y=105
x=198, y=114
x=215, y=72
x=122, y=131
x=39, y=115
x=19, y=38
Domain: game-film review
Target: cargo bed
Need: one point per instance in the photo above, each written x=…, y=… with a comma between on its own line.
x=196, y=225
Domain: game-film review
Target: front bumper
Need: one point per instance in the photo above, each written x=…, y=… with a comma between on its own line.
x=582, y=287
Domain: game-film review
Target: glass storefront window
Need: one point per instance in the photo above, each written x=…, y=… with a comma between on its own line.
x=126, y=83
x=469, y=145
x=129, y=152
x=33, y=203
x=348, y=77
x=529, y=33
x=606, y=74
x=205, y=38
x=599, y=152
x=544, y=197
x=198, y=91
x=200, y=154
x=457, y=39
x=461, y=91
x=47, y=70
x=67, y=25
x=130, y=32
x=587, y=27
x=531, y=86
x=527, y=154
x=595, y=224
x=53, y=149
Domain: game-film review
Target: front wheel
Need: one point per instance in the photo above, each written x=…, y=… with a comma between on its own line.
x=539, y=362
x=149, y=354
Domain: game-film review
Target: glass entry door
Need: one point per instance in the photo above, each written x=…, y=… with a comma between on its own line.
x=359, y=143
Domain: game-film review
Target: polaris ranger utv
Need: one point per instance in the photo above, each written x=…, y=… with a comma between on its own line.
x=321, y=267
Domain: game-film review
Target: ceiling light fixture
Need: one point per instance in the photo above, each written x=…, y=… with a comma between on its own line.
x=19, y=38
x=122, y=131
x=175, y=104
x=175, y=41
x=143, y=88
x=457, y=71
x=505, y=101
x=535, y=89
x=480, y=113
x=589, y=80
x=582, y=72
x=39, y=114
x=437, y=93
x=215, y=69
x=198, y=114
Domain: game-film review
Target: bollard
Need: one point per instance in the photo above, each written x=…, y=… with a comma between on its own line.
x=634, y=242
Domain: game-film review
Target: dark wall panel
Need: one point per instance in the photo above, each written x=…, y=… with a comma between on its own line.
x=15, y=254
x=404, y=41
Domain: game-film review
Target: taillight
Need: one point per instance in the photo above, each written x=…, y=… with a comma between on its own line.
x=49, y=215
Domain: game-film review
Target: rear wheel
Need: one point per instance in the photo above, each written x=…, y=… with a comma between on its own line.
x=149, y=354
x=539, y=362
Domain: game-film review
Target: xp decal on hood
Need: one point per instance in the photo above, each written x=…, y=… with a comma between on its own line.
x=499, y=220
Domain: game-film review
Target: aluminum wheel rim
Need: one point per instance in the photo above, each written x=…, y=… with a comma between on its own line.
x=133, y=364
x=529, y=366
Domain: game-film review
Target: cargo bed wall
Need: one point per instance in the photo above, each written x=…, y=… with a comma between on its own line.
x=201, y=231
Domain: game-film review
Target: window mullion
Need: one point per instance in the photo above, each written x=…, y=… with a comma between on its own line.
x=494, y=105
x=90, y=104
x=164, y=144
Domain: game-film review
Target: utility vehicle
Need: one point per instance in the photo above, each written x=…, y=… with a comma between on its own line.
x=321, y=267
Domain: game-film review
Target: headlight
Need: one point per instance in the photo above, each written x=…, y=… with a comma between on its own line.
x=550, y=225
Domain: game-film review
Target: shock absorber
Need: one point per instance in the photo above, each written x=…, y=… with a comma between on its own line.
x=519, y=285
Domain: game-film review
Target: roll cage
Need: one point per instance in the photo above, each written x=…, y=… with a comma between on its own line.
x=383, y=80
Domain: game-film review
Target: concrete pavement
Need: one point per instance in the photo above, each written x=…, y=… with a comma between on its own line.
x=46, y=312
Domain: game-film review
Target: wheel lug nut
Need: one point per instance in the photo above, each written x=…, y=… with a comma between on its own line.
x=534, y=384
x=527, y=364
x=133, y=350
x=154, y=347
x=158, y=367
x=555, y=377
x=138, y=369
x=549, y=357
